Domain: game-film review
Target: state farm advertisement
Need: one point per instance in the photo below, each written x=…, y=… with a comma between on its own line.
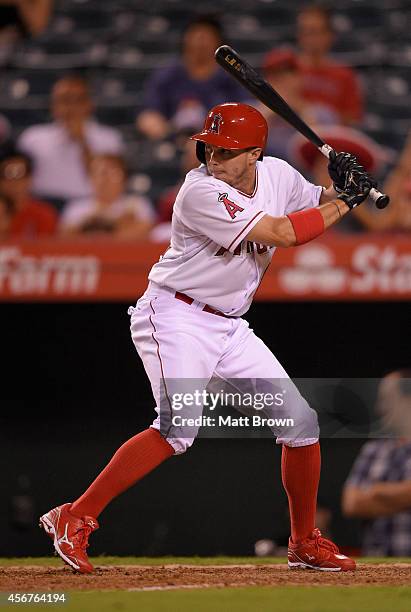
x=343, y=268
x=364, y=267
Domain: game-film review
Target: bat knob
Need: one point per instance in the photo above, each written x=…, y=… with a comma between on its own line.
x=382, y=201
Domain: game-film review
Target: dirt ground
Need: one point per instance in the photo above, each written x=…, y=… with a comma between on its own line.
x=134, y=577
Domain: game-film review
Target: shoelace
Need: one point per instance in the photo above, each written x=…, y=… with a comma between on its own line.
x=81, y=536
x=324, y=543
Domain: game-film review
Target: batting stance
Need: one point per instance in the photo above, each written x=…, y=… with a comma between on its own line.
x=229, y=216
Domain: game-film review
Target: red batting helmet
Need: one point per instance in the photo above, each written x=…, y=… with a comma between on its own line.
x=232, y=126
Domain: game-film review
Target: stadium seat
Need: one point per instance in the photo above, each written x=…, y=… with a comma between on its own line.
x=51, y=54
x=19, y=84
x=131, y=57
x=111, y=85
x=363, y=16
x=23, y=117
x=117, y=115
x=86, y=18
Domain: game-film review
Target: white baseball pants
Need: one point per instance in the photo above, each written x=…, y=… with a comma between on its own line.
x=180, y=342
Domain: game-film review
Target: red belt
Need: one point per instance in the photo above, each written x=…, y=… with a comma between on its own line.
x=188, y=300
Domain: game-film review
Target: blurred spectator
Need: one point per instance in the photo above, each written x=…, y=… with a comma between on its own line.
x=188, y=161
x=61, y=150
x=398, y=186
x=6, y=215
x=5, y=130
x=23, y=18
x=323, y=519
x=324, y=80
x=378, y=488
x=30, y=217
x=369, y=154
x=162, y=231
x=110, y=210
x=179, y=95
x=281, y=71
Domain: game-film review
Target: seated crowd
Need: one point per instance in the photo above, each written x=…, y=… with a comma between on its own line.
x=69, y=176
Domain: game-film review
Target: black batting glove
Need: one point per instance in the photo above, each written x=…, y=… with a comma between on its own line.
x=339, y=165
x=357, y=189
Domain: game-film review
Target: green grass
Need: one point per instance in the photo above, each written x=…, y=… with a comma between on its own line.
x=251, y=599
x=106, y=560
x=103, y=560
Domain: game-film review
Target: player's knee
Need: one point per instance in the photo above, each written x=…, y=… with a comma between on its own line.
x=309, y=424
x=180, y=445
x=304, y=429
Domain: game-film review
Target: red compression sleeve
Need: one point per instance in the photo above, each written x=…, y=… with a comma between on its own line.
x=300, y=468
x=133, y=460
x=307, y=224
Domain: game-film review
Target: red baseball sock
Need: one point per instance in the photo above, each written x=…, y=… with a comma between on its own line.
x=300, y=470
x=133, y=460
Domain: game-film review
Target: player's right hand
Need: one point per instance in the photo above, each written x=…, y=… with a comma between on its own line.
x=357, y=187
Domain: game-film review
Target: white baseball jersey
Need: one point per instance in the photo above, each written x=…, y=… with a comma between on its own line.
x=208, y=258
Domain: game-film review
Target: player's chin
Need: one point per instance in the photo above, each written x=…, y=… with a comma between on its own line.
x=218, y=174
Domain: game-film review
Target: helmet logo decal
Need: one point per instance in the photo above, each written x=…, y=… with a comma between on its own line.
x=231, y=207
x=215, y=124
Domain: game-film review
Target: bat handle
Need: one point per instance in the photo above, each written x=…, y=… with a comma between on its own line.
x=381, y=200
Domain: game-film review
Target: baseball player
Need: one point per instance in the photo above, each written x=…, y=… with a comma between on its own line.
x=230, y=215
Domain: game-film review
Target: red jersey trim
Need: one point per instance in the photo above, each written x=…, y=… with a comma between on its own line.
x=255, y=188
x=260, y=212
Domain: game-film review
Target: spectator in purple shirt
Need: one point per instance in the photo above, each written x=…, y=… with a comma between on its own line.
x=178, y=96
x=378, y=489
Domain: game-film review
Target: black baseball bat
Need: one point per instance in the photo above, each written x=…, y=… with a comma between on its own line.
x=231, y=61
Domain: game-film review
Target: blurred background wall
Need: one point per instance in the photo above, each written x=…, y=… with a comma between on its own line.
x=75, y=389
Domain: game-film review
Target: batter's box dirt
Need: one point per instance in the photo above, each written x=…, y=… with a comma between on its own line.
x=132, y=577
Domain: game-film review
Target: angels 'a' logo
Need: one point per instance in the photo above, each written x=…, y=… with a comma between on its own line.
x=231, y=207
x=215, y=124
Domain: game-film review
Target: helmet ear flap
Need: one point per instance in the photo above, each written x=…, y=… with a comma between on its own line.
x=200, y=151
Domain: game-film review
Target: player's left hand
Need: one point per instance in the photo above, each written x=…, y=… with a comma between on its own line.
x=340, y=166
x=357, y=189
